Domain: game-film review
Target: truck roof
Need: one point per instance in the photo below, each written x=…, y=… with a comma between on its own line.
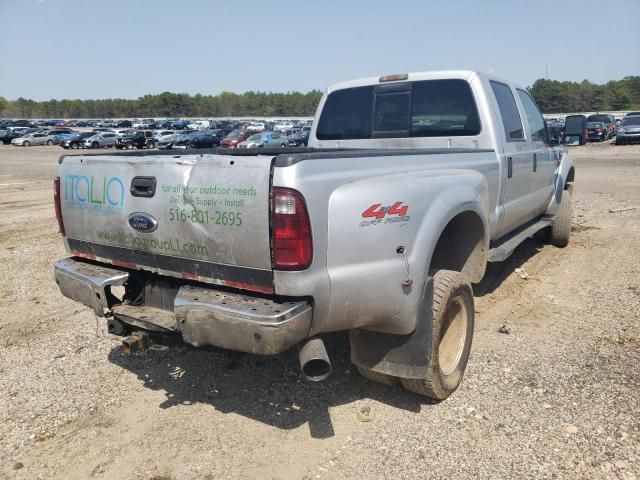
x=416, y=76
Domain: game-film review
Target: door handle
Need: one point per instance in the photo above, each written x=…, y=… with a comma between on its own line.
x=535, y=162
x=509, y=167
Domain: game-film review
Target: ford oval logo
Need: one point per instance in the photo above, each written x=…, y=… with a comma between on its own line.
x=143, y=222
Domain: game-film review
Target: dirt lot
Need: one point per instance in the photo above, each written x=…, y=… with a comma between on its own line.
x=558, y=397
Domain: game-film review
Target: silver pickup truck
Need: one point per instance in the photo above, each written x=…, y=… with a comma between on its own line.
x=410, y=184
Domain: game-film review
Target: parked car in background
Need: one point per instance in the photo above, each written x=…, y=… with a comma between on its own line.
x=76, y=140
x=255, y=127
x=597, y=131
x=137, y=139
x=204, y=140
x=609, y=122
x=32, y=139
x=101, y=140
x=233, y=139
x=264, y=139
x=122, y=132
x=195, y=140
x=59, y=133
x=7, y=135
x=159, y=136
x=299, y=139
x=629, y=130
x=283, y=126
x=124, y=124
x=23, y=130
x=219, y=132
x=198, y=124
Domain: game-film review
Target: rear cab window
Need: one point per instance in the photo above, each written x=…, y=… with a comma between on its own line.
x=428, y=108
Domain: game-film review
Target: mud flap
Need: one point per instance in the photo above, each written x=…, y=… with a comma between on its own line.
x=405, y=356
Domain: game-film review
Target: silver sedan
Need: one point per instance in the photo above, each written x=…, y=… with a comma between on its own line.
x=32, y=139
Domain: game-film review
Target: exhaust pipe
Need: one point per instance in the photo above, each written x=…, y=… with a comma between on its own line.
x=314, y=361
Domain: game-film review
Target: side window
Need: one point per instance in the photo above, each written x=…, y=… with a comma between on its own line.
x=508, y=111
x=534, y=117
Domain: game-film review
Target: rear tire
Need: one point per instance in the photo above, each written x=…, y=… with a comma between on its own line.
x=376, y=376
x=451, y=337
x=560, y=230
x=74, y=146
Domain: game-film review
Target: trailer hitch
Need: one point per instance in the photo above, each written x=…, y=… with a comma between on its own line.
x=136, y=342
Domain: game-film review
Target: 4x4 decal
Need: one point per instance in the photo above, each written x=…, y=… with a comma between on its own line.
x=397, y=212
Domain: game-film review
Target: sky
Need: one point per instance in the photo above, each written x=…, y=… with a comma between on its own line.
x=129, y=48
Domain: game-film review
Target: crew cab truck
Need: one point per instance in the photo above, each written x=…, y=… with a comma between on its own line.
x=411, y=183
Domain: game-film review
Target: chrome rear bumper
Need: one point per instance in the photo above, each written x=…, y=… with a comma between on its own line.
x=203, y=315
x=240, y=322
x=87, y=283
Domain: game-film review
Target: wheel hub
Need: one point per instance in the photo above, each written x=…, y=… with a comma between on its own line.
x=453, y=336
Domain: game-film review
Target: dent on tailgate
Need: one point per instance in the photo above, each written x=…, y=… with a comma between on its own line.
x=207, y=219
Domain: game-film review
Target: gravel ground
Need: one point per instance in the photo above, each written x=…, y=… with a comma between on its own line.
x=556, y=397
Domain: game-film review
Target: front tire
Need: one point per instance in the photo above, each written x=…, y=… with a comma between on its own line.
x=560, y=230
x=49, y=142
x=26, y=144
x=451, y=336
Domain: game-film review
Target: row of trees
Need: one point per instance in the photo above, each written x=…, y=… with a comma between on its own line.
x=169, y=105
x=551, y=95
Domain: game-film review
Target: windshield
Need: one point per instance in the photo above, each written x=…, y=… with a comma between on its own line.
x=254, y=138
x=234, y=134
x=635, y=120
x=595, y=124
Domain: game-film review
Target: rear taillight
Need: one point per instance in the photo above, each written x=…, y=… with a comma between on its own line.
x=292, y=244
x=58, y=206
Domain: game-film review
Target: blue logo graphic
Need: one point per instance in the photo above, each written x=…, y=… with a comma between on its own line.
x=143, y=222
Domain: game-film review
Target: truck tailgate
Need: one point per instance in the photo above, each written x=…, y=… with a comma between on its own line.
x=196, y=216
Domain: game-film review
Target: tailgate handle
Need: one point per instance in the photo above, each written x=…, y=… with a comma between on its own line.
x=143, y=186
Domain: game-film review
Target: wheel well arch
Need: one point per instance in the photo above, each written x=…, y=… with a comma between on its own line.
x=462, y=246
